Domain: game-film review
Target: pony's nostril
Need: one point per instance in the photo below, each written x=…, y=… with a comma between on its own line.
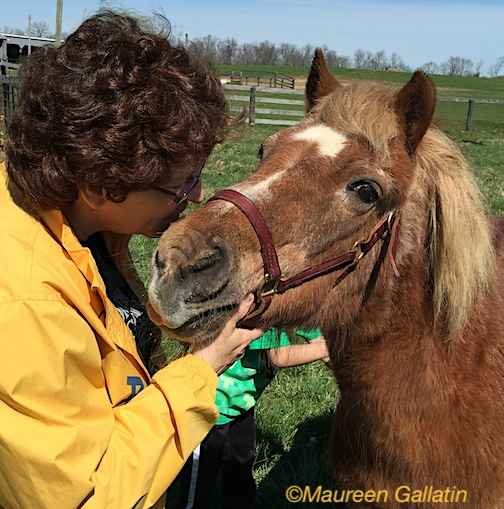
x=208, y=261
x=160, y=264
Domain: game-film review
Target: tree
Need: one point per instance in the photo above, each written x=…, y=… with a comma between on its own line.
x=40, y=29
x=458, y=66
x=204, y=48
x=498, y=67
x=228, y=50
x=307, y=54
x=247, y=54
x=334, y=60
x=288, y=54
x=369, y=61
x=396, y=63
x=10, y=30
x=265, y=53
x=477, y=67
x=431, y=68
x=359, y=59
x=380, y=61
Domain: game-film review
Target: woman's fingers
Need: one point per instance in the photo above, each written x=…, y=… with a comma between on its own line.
x=241, y=339
x=231, y=342
x=244, y=308
x=242, y=311
x=249, y=335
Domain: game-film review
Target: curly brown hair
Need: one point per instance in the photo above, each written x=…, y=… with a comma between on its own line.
x=114, y=108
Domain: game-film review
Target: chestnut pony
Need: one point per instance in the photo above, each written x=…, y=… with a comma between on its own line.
x=416, y=331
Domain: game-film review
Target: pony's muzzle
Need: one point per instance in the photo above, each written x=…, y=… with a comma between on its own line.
x=189, y=281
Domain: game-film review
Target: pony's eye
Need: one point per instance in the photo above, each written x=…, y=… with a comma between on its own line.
x=365, y=190
x=260, y=152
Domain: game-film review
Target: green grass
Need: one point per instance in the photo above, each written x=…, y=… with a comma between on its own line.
x=294, y=413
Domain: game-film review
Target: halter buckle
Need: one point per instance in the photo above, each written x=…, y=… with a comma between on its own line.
x=269, y=291
x=390, y=223
x=358, y=247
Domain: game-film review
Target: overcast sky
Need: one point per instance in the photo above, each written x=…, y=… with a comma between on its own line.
x=418, y=30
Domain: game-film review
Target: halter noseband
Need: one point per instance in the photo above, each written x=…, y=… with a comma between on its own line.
x=273, y=284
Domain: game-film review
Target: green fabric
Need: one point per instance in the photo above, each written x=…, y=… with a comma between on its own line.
x=309, y=334
x=270, y=339
x=240, y=386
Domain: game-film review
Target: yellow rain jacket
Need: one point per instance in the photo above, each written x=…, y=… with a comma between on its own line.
x=81, y=422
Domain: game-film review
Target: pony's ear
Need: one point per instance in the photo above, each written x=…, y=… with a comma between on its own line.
x=320, y=82
x=414, y=105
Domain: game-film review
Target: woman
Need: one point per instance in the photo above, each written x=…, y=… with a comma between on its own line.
x=109, y=139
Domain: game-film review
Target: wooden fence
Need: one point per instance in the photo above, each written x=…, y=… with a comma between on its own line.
x=254, y=112
x=260, y=109
x=287, y=117
x=271, y=80
x=9, y=92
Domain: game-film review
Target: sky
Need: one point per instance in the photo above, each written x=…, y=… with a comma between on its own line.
x=418, y=30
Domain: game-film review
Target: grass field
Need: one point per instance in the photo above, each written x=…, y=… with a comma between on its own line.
x=294, y=414
x=463, y=86
x=448, y=113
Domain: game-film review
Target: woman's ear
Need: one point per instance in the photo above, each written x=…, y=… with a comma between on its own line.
x=93, y=199
x=414, y=106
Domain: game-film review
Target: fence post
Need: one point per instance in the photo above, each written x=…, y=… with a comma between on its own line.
x=252, y=105
x=470, y=111
x=3, y=104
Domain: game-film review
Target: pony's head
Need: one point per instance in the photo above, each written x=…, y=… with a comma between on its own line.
x=362, y=151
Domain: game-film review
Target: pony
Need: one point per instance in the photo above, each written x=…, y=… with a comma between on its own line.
x=414, y=329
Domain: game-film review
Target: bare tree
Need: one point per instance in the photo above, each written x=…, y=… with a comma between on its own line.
x=369, y=61
x=247, y=54
x=431, y=68
x=359, y=59
x=458, y=66
x=396, y=63
x=11, y=30
x=40, y=29
x=381, y=61
x=335, y=61
x=498, y=68
x=204, y=48
x=477, y=67
x=265, y=53
x=228, y=50
x=307, y=53
x=288, y=54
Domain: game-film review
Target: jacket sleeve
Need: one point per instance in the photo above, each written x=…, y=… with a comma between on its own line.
x=62, y=444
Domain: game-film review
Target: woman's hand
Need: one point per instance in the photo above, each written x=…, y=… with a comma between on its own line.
x=230, y=344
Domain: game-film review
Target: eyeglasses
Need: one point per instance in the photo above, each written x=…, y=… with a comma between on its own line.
x=182, y=195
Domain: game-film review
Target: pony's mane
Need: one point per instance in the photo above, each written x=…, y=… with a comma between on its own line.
x=462, y=259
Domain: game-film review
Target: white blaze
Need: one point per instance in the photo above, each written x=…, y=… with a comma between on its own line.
x=254, y=190
x=330, y=142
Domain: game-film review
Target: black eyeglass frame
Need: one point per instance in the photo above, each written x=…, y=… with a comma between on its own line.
x=187, y=188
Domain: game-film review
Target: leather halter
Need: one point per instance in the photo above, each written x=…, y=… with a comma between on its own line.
x=273, y=283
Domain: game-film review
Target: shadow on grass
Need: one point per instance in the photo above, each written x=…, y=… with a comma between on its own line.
x=306, y=463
